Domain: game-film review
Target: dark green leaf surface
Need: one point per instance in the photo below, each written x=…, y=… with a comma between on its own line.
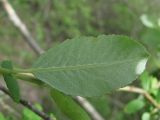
x=89, y=66
x=68, y=106
x=11, y=81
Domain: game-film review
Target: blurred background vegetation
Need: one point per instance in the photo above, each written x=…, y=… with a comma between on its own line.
x=53, y=21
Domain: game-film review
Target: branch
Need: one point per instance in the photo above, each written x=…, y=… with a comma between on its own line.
x=38, y=50
x=28, y=105
x=21, y=26
x=142, y=92
x=89, y=108
x=8, y=108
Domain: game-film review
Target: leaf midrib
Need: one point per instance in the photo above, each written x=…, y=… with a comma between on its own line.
x=79, y=67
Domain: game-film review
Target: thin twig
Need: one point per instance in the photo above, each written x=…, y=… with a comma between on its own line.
x=38, y=50
x=28, y=105
x=142, y=92
x=21, y=26
x=89, y=108
x=5, y=106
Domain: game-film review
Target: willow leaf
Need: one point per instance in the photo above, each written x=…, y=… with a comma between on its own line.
x=90, y=66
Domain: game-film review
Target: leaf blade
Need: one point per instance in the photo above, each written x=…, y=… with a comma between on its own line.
x=73, y=60
x=134, y=106
x=68, y=106
x=11, y=82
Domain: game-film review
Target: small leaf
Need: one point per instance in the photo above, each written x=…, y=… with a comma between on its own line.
x=149, y=83
x=2, y=117
x=11, y=81
x=88, y=66
x=134, y=106
x=68, y=106
x=146, y=116
x=30, y=115
x=147, y=21
x=146, y=81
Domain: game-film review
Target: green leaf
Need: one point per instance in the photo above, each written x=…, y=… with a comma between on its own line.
x=30, y=115
x=146, y=81
x=149, y=83
x=134, y=106
x=146, y=116
x=11, y=81
x=2, y=117
x=89, y=66
x=68, y=106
